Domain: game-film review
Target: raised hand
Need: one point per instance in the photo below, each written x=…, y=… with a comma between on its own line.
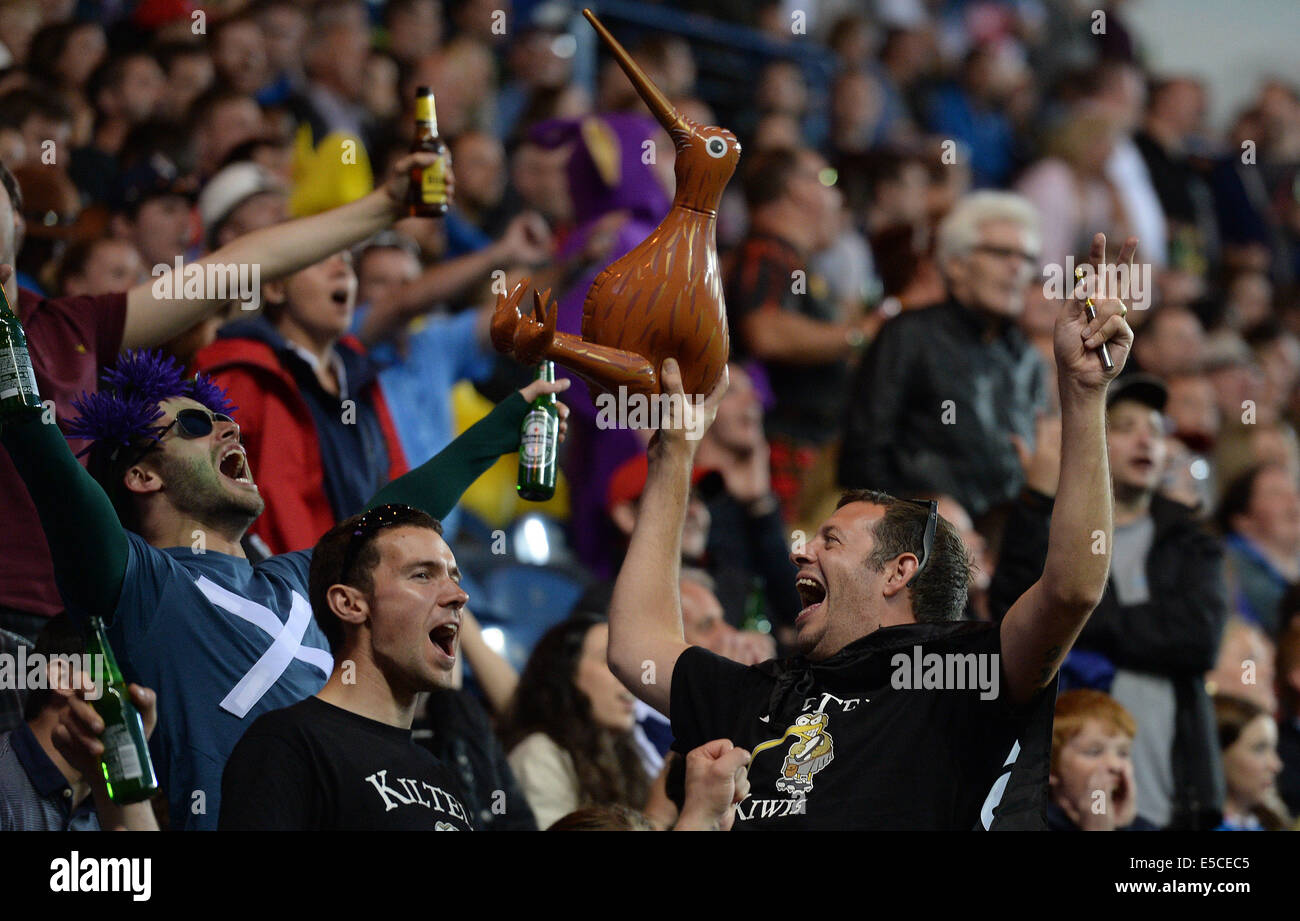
x=528, y=238
x=537, y=388
x=399, y=178
x=1078, y=339
x=717, y=778
x=687, y=417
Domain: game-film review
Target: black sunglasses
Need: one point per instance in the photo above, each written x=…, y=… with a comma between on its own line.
x=191, y=423
x=370, y=524
x=931, y=525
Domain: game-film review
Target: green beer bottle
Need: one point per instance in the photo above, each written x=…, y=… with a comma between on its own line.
x=538, y=443
x=17, y=381
x=127, y=767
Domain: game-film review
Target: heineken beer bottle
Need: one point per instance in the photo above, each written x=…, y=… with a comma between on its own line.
x=127, y=767
x=539, y=443
x=427, y=196
x=17, y=381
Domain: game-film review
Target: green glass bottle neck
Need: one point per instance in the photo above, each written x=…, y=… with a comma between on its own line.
x=6, y=309
x=545, y=372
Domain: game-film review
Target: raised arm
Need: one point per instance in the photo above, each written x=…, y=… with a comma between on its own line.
x=437, y=485
x=645, y=613
x=1042, y=625
x=526, y=240
x=278, y=251
x=86, y=539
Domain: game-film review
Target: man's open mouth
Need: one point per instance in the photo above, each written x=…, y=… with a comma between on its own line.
x=444, y=636
x=234, y=466
x=811, y=592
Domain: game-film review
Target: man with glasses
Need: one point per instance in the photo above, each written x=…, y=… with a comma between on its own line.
x=154, y=549
x=941, y=390
x=896, y=713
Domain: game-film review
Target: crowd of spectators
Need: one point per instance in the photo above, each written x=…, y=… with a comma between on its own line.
x=888, y=248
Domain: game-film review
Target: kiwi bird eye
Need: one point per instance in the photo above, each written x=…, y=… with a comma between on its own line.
x=716, y=147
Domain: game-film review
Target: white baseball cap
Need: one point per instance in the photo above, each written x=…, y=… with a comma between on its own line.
x=230, y=188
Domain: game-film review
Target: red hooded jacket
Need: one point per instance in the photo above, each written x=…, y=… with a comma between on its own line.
x=281, y=440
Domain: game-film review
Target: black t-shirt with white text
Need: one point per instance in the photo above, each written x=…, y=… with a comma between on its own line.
x=317, y=767
x=909, y=727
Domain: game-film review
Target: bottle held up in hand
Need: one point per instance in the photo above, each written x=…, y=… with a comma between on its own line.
x=427, y=196
x=18, y=390
x=128, y=769
x=539, y=443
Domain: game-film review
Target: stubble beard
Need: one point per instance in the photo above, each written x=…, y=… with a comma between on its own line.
x=196, y=490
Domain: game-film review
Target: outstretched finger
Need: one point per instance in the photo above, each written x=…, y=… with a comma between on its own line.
x=1097, y=255
x=1126, y=251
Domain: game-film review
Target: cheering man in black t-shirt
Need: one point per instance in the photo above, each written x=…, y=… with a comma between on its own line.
x=386, y=591
x=896, y=714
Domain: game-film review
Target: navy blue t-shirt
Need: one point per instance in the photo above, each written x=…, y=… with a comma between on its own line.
x=221, y=641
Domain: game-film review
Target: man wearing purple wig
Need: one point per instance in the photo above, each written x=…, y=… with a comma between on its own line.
x=154, y=549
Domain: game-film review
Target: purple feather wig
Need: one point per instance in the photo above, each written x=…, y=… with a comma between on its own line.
x=126, y=408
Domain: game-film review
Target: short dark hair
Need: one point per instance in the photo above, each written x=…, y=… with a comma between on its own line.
x=767, y=175
x=108, y=464
x=202, y=109
x=59, y=637
x=1237, y=497
x=331, y=556
x=23, y=102
x=110, y=74
x=167, y=53
x=74, y=260
x=939, y=592
x=607, y=817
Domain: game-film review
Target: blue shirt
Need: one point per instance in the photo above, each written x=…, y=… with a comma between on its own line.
x=417, y=379
x=34, y=796
x=462, y=236
x=221, y=641
x=987, y=131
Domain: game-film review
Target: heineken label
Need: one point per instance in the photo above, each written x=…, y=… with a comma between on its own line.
x=120, y=756
x=16, y=375
x=534, y=442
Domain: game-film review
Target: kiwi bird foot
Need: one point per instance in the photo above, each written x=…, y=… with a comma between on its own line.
x=535, y=333
x=506, y=318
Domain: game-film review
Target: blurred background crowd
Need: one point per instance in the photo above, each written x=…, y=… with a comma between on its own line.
x=910, y=170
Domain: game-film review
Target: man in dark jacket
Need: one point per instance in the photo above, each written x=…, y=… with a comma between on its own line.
x=942, y=389
x=848, y=734
x=1156, y=631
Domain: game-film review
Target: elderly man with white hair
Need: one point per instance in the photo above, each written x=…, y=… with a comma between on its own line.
x=941, y=390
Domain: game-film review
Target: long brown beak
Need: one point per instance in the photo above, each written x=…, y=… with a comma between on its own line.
x=658, y=103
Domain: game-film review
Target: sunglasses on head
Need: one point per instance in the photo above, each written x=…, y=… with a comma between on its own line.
x=190, y=423
x=931, y=525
